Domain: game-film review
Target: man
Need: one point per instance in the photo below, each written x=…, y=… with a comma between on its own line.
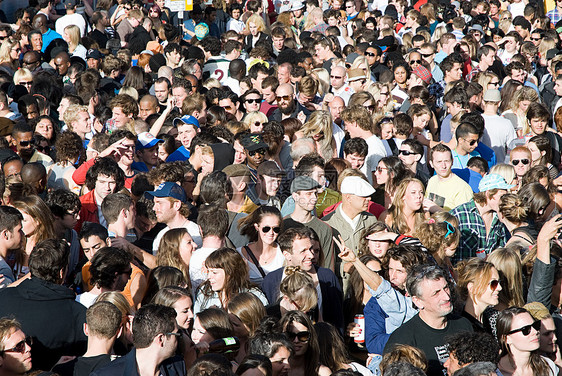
x=456, y=100
x=284, y=73
x=22, y=135
x=278, y=36
x=103, y=326
x=161, y=91
x=498, y=131
x=374, y=55
x=103, y=178
x=15, y=349
x=486, y=58
x=231, y=103
x=239, y=176
x=358, y=123
x=215, y=65
x=338, y=78
x=555, y=14
x=213, y=225
x=71, y=18
x=255, y=149
x=148, y=105
x=481, y=230
x=11, y=236
x=170, y=206
x=146, y=151
x=467, y=348
x=323, y=49
x=266, y=189
x=40, y=22
x=94, y=59
x=466, y=135
x=46, y=309
x=427, y=51
x=188, y=128
x=194, y=105
x=155, y=337
x=351, y=217
x=304, y=190
x=296, y=245
x=429, y=289
x=447, y=44
x=32, y=59
x=355, y=151
x=100, y=20
x=128, y=25
x=110, y=270
x=268, y=89
x=124, y=111
x=452, y=67
x=172, y=53
x=77, y=119
x=444, y=190
x=410, y=153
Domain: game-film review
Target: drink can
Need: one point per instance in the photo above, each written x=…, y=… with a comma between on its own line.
x=360, y=320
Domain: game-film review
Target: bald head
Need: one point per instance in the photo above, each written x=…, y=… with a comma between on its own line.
x=285, y=89
x=40, y=22
x=62, y=62
x=148, y=106
x=165, y=71
x=33, y=173
x=339, y=70
x=301, y=147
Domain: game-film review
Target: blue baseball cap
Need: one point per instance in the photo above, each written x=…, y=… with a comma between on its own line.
x=186, y=119
x=146, y=140
x=493, y=181
x=168, y=189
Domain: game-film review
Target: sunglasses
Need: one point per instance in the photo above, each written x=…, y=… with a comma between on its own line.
x=26, y=143
x=535, y=39
x=20, y=346
x=256, y=100
x=496, y=83
x=451, y=230
x=44, y=149
x=301, y=336
x=26, y=83
x=337, y=77
x=515, y=162
x=259, y=151
x=370, y=54
x=427, y=55
x=266, y=229
x=494, y=283
x=415, y=62
x=471, y=142
x=283, y=98
x=406, y=152
x=526, y=330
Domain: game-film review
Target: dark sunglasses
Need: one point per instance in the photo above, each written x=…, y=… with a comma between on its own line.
x=259, y=151
x=515, y=162
x=494, y=283
x=427, y=55
x=20, y=346
x=301, y=336
x=337, y=77
x=471, y=142
x=256, y=100
x=44, y=149
x=496, y=83
x=535, y=39
x=370, y=54
x=266, y=229
x=526, y=330
x=406, y=152
x=284, y=98
x=26, y=143
x=415, y=62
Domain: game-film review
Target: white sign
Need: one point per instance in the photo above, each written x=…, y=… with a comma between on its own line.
x=179, y=5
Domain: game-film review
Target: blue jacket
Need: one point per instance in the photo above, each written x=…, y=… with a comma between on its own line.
x=332, y=296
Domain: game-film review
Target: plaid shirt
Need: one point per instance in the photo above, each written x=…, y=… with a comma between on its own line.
x=473, y=233
x=554, y=15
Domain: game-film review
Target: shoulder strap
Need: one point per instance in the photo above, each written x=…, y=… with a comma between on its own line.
x=254, y=260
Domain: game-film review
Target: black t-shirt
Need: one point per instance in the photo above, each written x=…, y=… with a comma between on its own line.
x=431, y=341
x=82, y=366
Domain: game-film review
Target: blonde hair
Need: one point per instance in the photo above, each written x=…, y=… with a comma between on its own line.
x=211, y=83
x=508, y=264
x=299, y=287
x=323, y=78
x=505, y=21
x=71, y=114
x=396, y=210
x=506, y=171
x=74, y=34
x=249, y=309
x=318, y=122
x=484, y=78
x=6, y=49
x=252, y=117
x=256, y=20
x=476, y=271
x=440, y=232
x=22, y=74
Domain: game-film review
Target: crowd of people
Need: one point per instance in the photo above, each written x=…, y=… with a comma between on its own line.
x=280, y=188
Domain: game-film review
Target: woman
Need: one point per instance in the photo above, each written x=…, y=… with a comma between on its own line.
x=160, y=277
x=319, y=129
x=508, y=93
x=255, y=362
x=45, y=127
x=514, y=214
x=479, y=286
x=209, y=325
x=368, y=243
x=246, y=312
x=298, y=292
x=541, y=154
x=333, y=353
x=406, y=212
x=390, y=172
x=135, y=79
x=384, y=103
x=548, y=341
x=306, y=357
x=24, y=77
x=69, y=148
x=262, y=254
x=71, y=35
x=227, y=276
x=488, y=80
x=9, y=56
x=256, y=26
x=440, y=235
x=401, y=71
x=518, y=335
x=176, y=248
x=520, y=158
x=517, y=111
x=254, y=121
x=508, y=264
x=37, y=225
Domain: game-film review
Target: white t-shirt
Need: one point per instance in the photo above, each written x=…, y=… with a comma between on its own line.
x=255, y=275
x=376, y=152
x=86, y=299
x=196, y=263
x=191, y=228
x=71, y=19
x=498, y=133
x=235, y=25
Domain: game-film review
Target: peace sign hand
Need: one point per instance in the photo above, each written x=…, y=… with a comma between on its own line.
x=346, y=253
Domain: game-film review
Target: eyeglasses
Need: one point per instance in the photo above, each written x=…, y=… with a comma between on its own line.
x=415, y=62
x=26, y=143
x=74, y=213
x=370, y=54
x=336, y=77
x=450, y=230
x=26, y=83
x=515, y=162
x=20, y=346
x=526, y=330
x=175, y=334
x=259, y=151
x=301, y=336
x=256, y=100
x=283, y=98
x=406, y=152
x=535, y=39
x=266, y=229
x=494, y=283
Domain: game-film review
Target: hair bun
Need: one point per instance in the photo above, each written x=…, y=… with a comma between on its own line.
x=290, y=270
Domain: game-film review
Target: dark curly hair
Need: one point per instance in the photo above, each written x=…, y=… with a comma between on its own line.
x=108, y=167
x=474, y=347
x=69, y=147
x=107, y=264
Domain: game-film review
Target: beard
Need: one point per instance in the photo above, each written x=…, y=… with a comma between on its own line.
x=288, y=110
